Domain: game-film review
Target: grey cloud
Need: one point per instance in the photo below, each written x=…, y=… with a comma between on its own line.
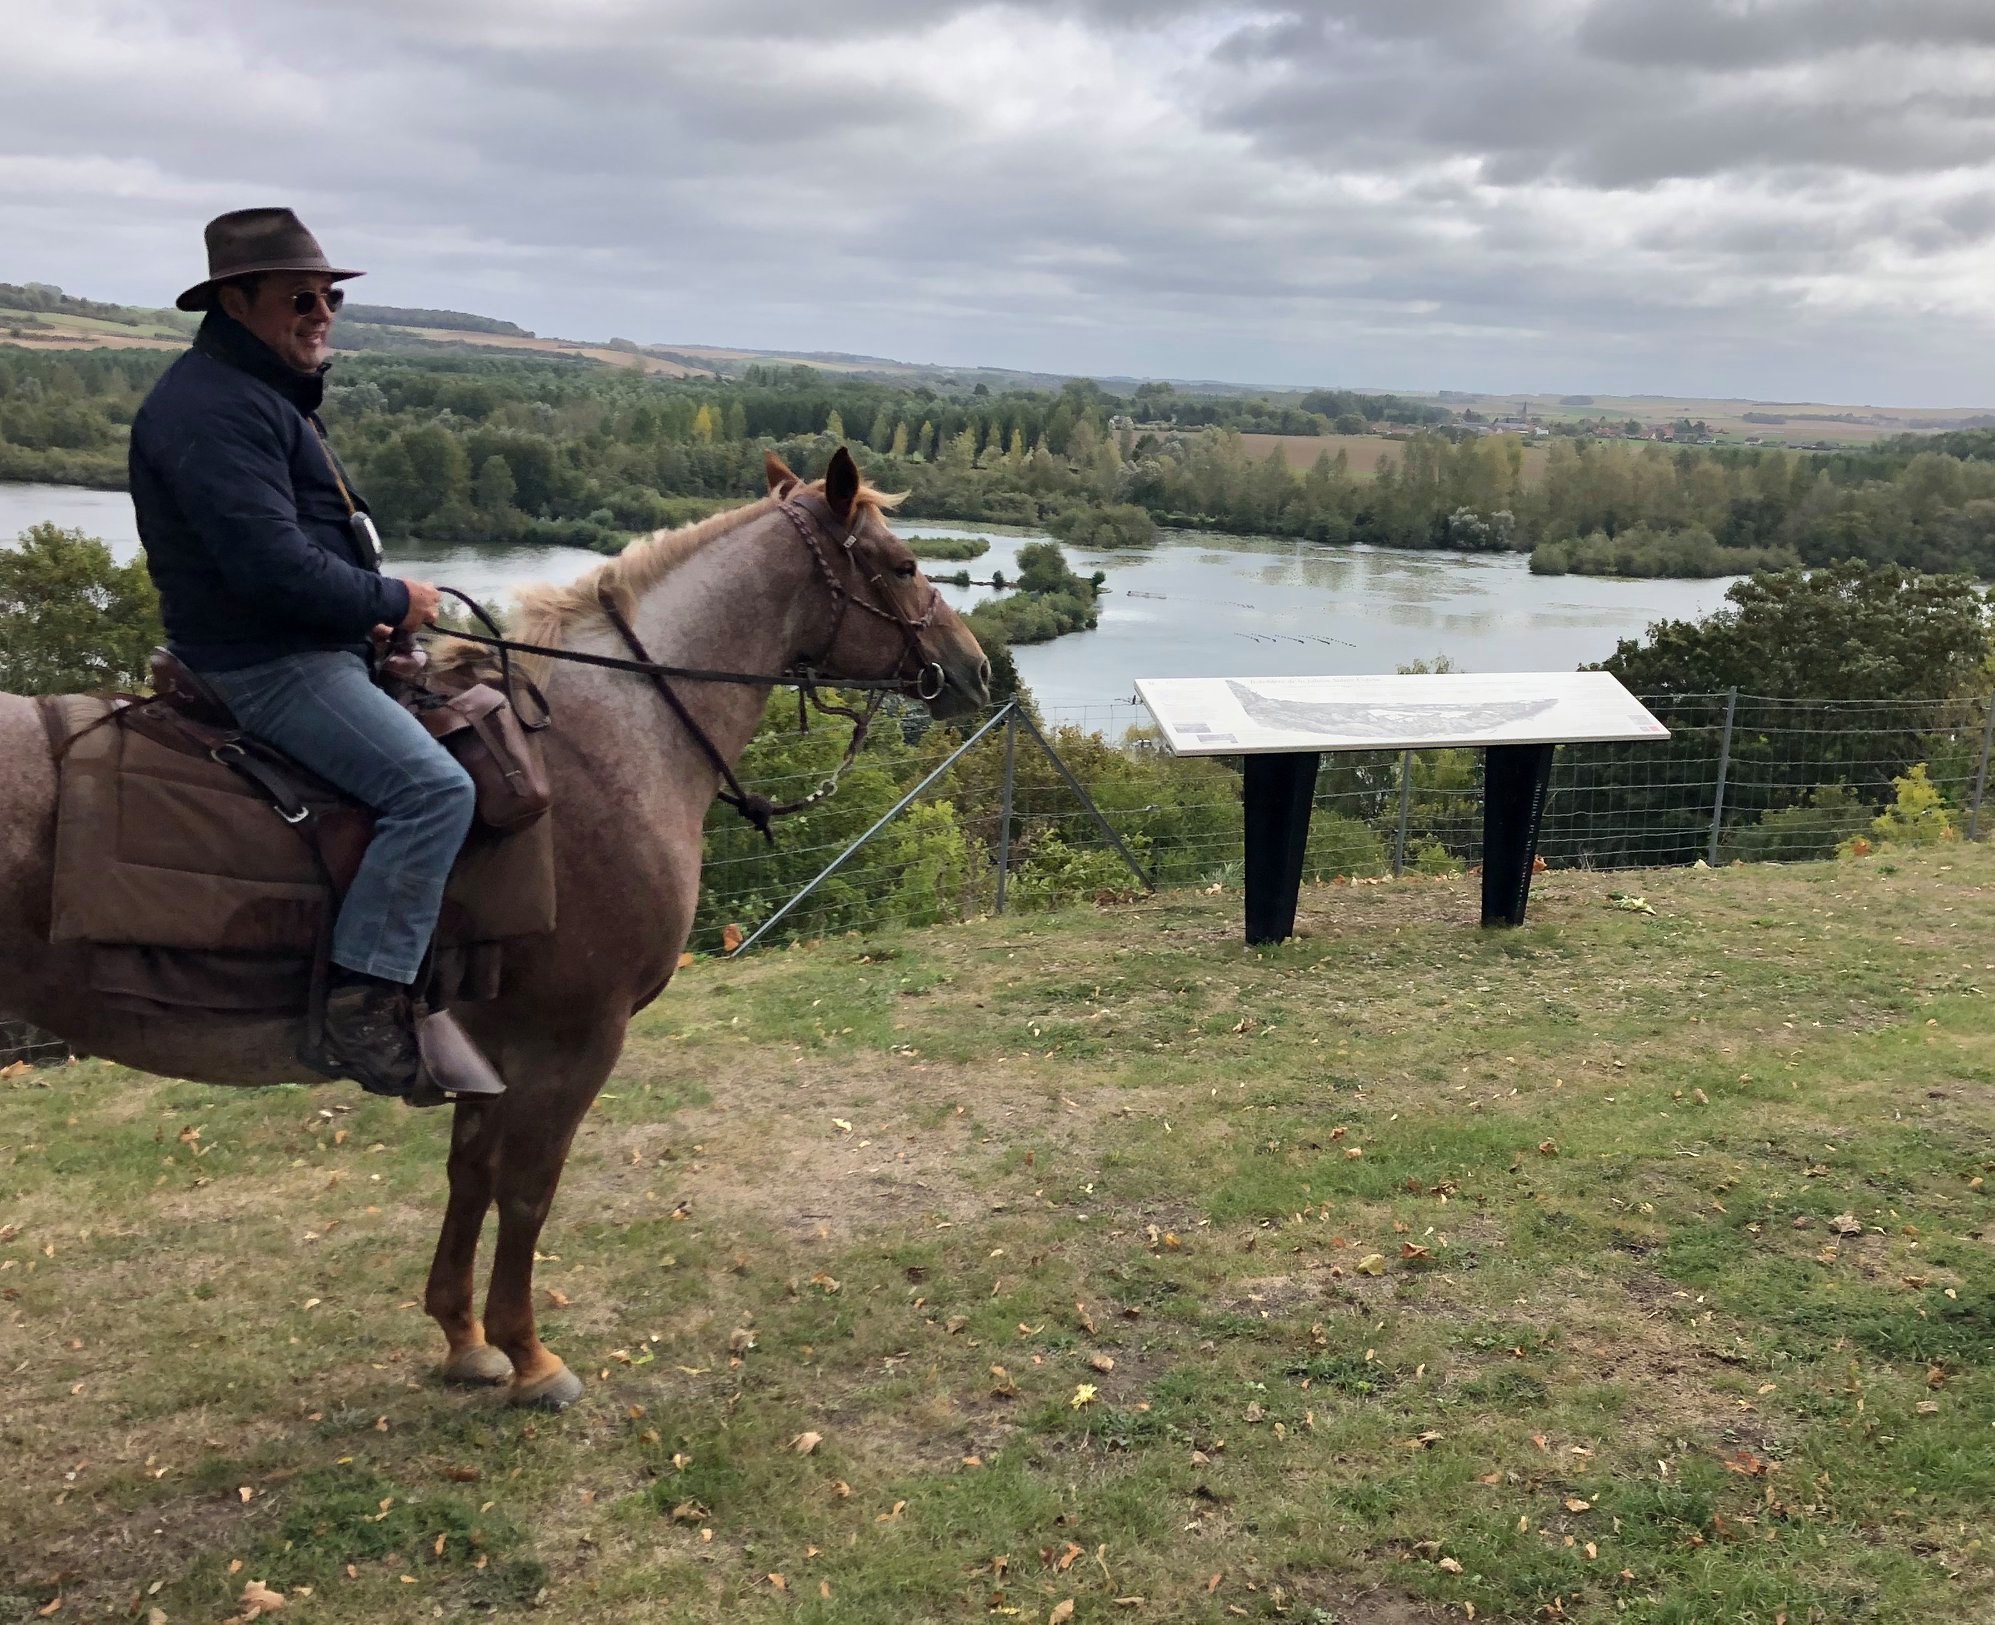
x=1516, y=193
x=1721, y=36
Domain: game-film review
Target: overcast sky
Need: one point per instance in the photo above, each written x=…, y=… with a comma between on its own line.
x=1783, y=199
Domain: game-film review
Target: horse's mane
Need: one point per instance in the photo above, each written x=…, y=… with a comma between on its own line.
x=549, y=612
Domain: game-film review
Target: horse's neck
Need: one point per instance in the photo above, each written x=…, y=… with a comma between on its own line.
x=733, y=607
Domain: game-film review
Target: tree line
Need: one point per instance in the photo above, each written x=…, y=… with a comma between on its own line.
x=451, y=448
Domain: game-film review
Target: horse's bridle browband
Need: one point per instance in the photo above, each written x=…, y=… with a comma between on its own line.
x=804, y=676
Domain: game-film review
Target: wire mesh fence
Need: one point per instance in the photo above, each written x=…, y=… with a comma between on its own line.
x=1741, y=778
x=20, y=1043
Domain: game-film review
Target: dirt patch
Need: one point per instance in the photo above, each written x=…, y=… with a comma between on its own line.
x=1350, y=1604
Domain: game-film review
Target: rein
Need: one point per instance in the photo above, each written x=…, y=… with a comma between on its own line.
x=757, y=809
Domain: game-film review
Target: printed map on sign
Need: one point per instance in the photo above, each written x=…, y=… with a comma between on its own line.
x=1234, y=716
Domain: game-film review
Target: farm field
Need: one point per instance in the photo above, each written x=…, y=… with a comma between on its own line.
x=656, y=365
x=1632, y=1266
x=1803, y=422
x=1365, y=451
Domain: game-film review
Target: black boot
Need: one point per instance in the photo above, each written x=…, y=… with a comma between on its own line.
x=370, y=1034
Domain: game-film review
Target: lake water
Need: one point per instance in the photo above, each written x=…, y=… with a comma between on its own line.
x=1193, y=605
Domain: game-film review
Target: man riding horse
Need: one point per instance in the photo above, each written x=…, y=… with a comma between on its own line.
x=270, y=585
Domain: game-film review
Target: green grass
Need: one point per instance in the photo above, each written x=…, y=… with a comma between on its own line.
x=1620, y=1268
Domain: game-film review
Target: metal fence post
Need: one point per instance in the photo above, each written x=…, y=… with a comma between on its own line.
x=1724, y=766
x=1087, y=801
x=1981, y=773
x=1004, y=811
x=1405, y=802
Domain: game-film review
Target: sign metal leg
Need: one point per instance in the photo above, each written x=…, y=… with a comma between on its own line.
x=1515, y=778
x=1278, y=791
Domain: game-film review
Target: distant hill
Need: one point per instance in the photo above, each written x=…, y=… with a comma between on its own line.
x=46, y=305
x=455, y=321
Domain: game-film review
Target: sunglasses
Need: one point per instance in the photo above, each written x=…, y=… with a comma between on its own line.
x=307, y=300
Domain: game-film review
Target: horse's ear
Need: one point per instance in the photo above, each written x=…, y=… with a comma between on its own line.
x=841, y=485
x=781, y=479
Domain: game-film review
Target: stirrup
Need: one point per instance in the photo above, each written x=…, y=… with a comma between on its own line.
x=453, y=1067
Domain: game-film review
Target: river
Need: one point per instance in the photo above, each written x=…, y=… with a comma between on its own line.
x=1194, y=604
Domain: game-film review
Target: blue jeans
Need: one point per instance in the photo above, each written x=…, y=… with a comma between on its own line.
x=324, y=712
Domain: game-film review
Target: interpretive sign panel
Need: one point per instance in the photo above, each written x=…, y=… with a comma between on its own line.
x=1247, y=716
x=1283, y=725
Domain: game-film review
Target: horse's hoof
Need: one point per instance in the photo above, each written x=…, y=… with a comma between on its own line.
x=551, y=1393
x=480, y=1365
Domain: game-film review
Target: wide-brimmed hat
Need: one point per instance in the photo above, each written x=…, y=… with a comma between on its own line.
x=246, y=241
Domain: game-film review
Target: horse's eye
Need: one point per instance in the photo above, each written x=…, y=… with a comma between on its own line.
x=906, y=571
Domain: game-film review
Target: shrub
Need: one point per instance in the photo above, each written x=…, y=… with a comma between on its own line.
x=1339, y=845
x=1121, y=524
x=1919, y=817
x=1799, y=834
x=1054, y=873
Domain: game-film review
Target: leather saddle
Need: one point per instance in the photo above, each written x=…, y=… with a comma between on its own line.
x=202, y=867
x=175, y=684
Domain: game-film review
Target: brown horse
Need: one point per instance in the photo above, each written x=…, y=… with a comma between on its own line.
x=748, y=591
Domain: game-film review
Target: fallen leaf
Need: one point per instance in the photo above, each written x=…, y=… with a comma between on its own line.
x=779, y=1582
x=258, y=1598
x=462, y=1475
x=1083, y=1395
x=1372, y=1264
x=1846, y=1224
x=1065, y=1560
x=54, y=1604
x=804, y=1443
x=1062, y=1612
x=1746, y=1464
x=730, y=938
x=1574, y=1504
x=1102, y=1363
x=1451, y=1565
x=1212, y=1585
x=558, y=1298
x=685, y=960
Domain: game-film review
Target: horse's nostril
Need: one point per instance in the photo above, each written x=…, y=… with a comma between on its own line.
x=984, y=673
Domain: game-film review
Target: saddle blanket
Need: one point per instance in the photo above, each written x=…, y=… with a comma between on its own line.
x=196, y=892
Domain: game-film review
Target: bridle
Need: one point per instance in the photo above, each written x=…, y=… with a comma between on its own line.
x=925, y=681
x=885, y=609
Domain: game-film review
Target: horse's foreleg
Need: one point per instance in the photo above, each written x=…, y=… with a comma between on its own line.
x=475, y=1137
x=530, y=1161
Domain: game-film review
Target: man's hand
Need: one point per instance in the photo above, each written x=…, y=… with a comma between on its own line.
x=424, y=602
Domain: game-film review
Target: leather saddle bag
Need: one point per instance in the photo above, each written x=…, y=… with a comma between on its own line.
x=480, y=728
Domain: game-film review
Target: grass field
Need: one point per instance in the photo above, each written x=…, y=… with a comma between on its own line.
x=1631, y=1266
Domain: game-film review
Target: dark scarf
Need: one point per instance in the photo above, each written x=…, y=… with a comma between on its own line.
x=228, y=341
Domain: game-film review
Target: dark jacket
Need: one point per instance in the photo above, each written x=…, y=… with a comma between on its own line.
x=245, y=531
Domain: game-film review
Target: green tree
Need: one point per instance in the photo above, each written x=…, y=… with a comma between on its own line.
x=899, y=447
x=496, y=487
x=72, y=619
x=834, y=424
x=1850, y=631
